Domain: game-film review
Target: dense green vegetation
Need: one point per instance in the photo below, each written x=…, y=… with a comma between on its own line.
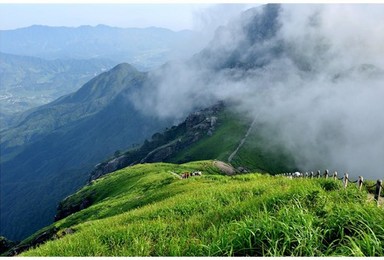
x=146, y=210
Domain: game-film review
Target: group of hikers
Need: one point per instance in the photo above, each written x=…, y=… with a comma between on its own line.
x=186, y=175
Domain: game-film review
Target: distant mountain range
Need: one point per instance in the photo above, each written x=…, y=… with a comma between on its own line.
x=28, y=82
x=40, y=63
x=144, y=48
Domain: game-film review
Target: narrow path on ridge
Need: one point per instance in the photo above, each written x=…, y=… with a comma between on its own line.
x=241, y=142
x=174, y=173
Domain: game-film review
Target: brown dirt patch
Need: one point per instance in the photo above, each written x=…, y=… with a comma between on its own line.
x=225, y=168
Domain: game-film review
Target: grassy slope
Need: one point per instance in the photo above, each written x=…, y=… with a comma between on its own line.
x=256, y=154
x=230, y=130
x=259, y=154
x=145, y=210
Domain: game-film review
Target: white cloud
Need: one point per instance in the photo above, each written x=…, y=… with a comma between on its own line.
x=317, y=81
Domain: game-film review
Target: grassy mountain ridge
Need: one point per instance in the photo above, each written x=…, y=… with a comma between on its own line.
x=146, y=210
x=93, y=97
x=49, y=153
x=58, y=141
x=211, y=133
x=73, y=133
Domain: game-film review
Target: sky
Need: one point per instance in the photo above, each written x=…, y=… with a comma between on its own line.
x=172, y=16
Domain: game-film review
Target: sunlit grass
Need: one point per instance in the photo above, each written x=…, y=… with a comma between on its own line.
x=147, y=211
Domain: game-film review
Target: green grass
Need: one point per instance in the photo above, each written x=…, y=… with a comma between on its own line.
x=230, y=130
x=263, y=155
x=147, y=211
x=257, y=153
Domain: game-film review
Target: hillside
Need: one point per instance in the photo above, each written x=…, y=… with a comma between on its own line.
x=211, y=133
x=147, y=210
x=67, y=135
x=297, y=99
x=51, y=150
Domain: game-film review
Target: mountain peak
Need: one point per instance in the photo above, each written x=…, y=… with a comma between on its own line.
x=107, y=84
x=124, y=67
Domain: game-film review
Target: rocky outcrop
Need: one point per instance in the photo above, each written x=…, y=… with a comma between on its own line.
x=41, y=238
x=9, y=248
x=198, y=125
x=65, y=209
x=163, y=145
x=162, y=152
x=110, y=166
x=5, y=244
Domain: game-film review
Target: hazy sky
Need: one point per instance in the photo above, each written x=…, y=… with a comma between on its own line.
x=172, y=16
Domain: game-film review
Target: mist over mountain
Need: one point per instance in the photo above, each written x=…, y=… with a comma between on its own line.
x=312, y=75
x=144, y=48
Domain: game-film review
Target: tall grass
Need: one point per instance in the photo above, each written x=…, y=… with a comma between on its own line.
x=215, y=215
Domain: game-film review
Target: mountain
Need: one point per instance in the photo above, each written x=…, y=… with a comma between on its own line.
x=245, y=42
x=28, y=82
x=47, y=154
x=51, y=149
x=217, y=132
x=149, y=210
x=144, y=48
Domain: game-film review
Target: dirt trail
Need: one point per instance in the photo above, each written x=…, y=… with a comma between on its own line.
x=174, y=173
x=242, y=141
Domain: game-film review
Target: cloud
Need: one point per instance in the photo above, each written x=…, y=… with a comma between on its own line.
x=312, y=73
